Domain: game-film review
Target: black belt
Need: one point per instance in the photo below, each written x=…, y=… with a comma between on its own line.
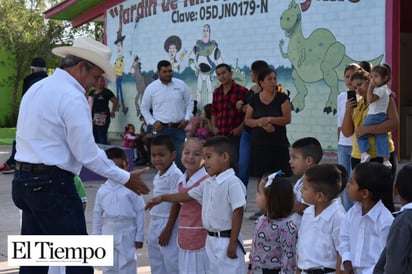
x=37, y=168
x=319, y=270
x=174, y=125
x=270, y=271
x=225, y=234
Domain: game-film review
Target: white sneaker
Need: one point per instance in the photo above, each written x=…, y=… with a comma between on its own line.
x=387, y=164
x=365, y=157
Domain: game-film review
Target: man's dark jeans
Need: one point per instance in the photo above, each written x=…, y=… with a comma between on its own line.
x=51, y=206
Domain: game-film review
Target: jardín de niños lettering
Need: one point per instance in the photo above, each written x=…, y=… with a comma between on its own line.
x=216, y=9
x=209, y=9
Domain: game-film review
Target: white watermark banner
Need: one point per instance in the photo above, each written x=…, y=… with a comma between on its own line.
x=73, y=250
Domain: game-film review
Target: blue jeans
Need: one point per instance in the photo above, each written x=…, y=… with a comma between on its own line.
x=178, y=136
x=51, y=206
x=100, y=132
x=381, y=140
x=344, y=159
x=119, y=90
x=244, y=157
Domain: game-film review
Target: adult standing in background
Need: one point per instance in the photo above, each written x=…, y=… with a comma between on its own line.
x=99, y=99
x=354, y=116
x=345, y=143
x=54, y=140
x=227, y=120
x=244, y=147
x=267, y=114
x=171, y=102
x=38, y=72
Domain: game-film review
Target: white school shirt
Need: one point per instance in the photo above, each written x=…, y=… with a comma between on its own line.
x=170, y=103
x=219, y=196
x=119, y=204
x=381, y=105
x=325, y=229
x=165, y=184
x=341, y=106
x=296, y=217
x=55, y=128
x=362, y=238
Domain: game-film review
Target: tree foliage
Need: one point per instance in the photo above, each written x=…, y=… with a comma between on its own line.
x=25, y=33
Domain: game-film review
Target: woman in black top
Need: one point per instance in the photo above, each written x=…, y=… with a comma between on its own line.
x=101, y=114
x=267, y=114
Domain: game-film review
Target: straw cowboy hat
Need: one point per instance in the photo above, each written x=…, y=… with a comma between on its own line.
x=92, y=51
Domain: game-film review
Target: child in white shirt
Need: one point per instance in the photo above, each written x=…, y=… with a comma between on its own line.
x=378, y=97
x=162, y=237
x=223, y=199
x=304, y=153
x=119, y=212
x=366, y=225
x=322, y=185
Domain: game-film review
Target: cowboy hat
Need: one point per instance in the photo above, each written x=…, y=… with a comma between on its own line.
x=92, y=51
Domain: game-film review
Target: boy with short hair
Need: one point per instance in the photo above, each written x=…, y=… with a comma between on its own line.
x=322, y=185
x=223, y=199
x=396, y=257
x=162, y=238
x=304, y=153
x=119, y=212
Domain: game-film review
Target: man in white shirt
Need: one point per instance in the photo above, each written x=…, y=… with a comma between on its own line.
x=54, y=140
x=167, y=104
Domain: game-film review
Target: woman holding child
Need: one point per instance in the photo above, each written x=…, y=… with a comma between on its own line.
x=355, y=115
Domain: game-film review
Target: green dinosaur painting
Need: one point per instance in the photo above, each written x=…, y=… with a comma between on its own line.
x=317, y=57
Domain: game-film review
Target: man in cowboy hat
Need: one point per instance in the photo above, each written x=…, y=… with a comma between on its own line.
x=54, y=140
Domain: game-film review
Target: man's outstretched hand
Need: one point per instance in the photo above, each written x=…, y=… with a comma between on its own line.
x=136, y=183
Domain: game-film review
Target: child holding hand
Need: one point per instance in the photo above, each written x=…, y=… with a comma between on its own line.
x=191, y=235
x=119, y=212
x=223, y=199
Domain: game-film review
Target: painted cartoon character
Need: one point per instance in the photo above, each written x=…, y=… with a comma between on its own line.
x=172, y=46
x=203, y=59
x=318, y=57
x=239, y=75
x=119, y=67
x=142, y=82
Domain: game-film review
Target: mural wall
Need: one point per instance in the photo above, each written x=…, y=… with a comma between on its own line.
x=308, y=43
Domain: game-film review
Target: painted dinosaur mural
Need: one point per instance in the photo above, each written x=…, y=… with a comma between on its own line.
x=317, y=57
